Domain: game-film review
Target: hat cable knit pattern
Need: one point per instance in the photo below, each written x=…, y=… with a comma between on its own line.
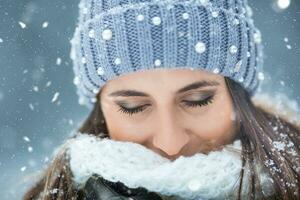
x=116, y=37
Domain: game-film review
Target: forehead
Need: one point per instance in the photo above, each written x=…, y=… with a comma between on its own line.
x=155, y=78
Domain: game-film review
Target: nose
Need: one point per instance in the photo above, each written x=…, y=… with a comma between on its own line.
x=170, y=136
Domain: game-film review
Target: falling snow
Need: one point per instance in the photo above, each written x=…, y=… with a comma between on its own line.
x=1, y=96
x=22, y=24
x=269, y=162
x=48, y=83
x=279, y=145
x=236, y=21
x=241, y=79
x=283, y=4
x=45, y=24
x=157, y=62
x=46, y=159
x=23, y=168
x=76, y=80
x=83, y=60
x=185, y=15
x=92, y=33
x=71, y=122
x=35, y=88
x=200, y=47
x=58, y=61
x=107, y=34
x=233, y=49
x=156, y=20
x=93, y=100
x=140, y=17
x=30, y=149
x=288, y=46
x=204, y=2
x=95, y=90
x=118, y=61
x=257, y=37
x=248, y=54
x=216, y=70
x=261, y=76
x=55, y=97
x=100, y=71
x=25, y=138
x=215, y=14
x=238, y=66
x=31, y=106
x=36, y=65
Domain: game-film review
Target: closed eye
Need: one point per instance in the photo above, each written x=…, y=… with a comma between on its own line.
x=131, y=111
x=192, y=104
x=199, y=103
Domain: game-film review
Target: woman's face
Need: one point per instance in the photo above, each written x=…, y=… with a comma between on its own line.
x=175, y=111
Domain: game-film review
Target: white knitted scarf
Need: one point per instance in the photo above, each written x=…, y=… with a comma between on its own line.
x=201, y=176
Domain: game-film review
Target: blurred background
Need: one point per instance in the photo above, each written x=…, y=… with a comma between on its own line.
x=38, y=103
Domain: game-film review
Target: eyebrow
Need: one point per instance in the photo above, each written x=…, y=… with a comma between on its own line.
x=192, y=86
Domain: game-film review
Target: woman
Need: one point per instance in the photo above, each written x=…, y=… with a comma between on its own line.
x=123, y=53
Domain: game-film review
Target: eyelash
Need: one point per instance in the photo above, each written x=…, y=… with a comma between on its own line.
x=188, y=103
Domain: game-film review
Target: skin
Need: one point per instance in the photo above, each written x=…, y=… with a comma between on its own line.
x=166, y=124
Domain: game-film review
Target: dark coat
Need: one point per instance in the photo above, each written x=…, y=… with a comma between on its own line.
x=97, y=188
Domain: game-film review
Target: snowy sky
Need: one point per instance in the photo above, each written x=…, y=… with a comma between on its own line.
x=38, y=103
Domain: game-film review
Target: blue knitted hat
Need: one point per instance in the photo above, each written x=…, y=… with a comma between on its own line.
x=116, y=37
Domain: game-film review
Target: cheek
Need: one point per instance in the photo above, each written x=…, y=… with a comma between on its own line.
x=119, y=128
x=122, y=129
x=216, y=124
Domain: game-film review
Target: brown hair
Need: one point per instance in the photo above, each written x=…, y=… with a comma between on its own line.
x=258, y=130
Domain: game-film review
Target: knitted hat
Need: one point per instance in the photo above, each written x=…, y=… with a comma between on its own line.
x=116, y=37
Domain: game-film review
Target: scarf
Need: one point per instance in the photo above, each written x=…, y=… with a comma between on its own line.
x=200, y=176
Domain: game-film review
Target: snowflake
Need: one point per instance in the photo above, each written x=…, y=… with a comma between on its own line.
x=45, y=24
x=279, y=145
x=26, y=139
x=58, y=61
x=30, y=149
x=23, y=168
x=22, y=24
x=55, y=97
x=269, y=162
